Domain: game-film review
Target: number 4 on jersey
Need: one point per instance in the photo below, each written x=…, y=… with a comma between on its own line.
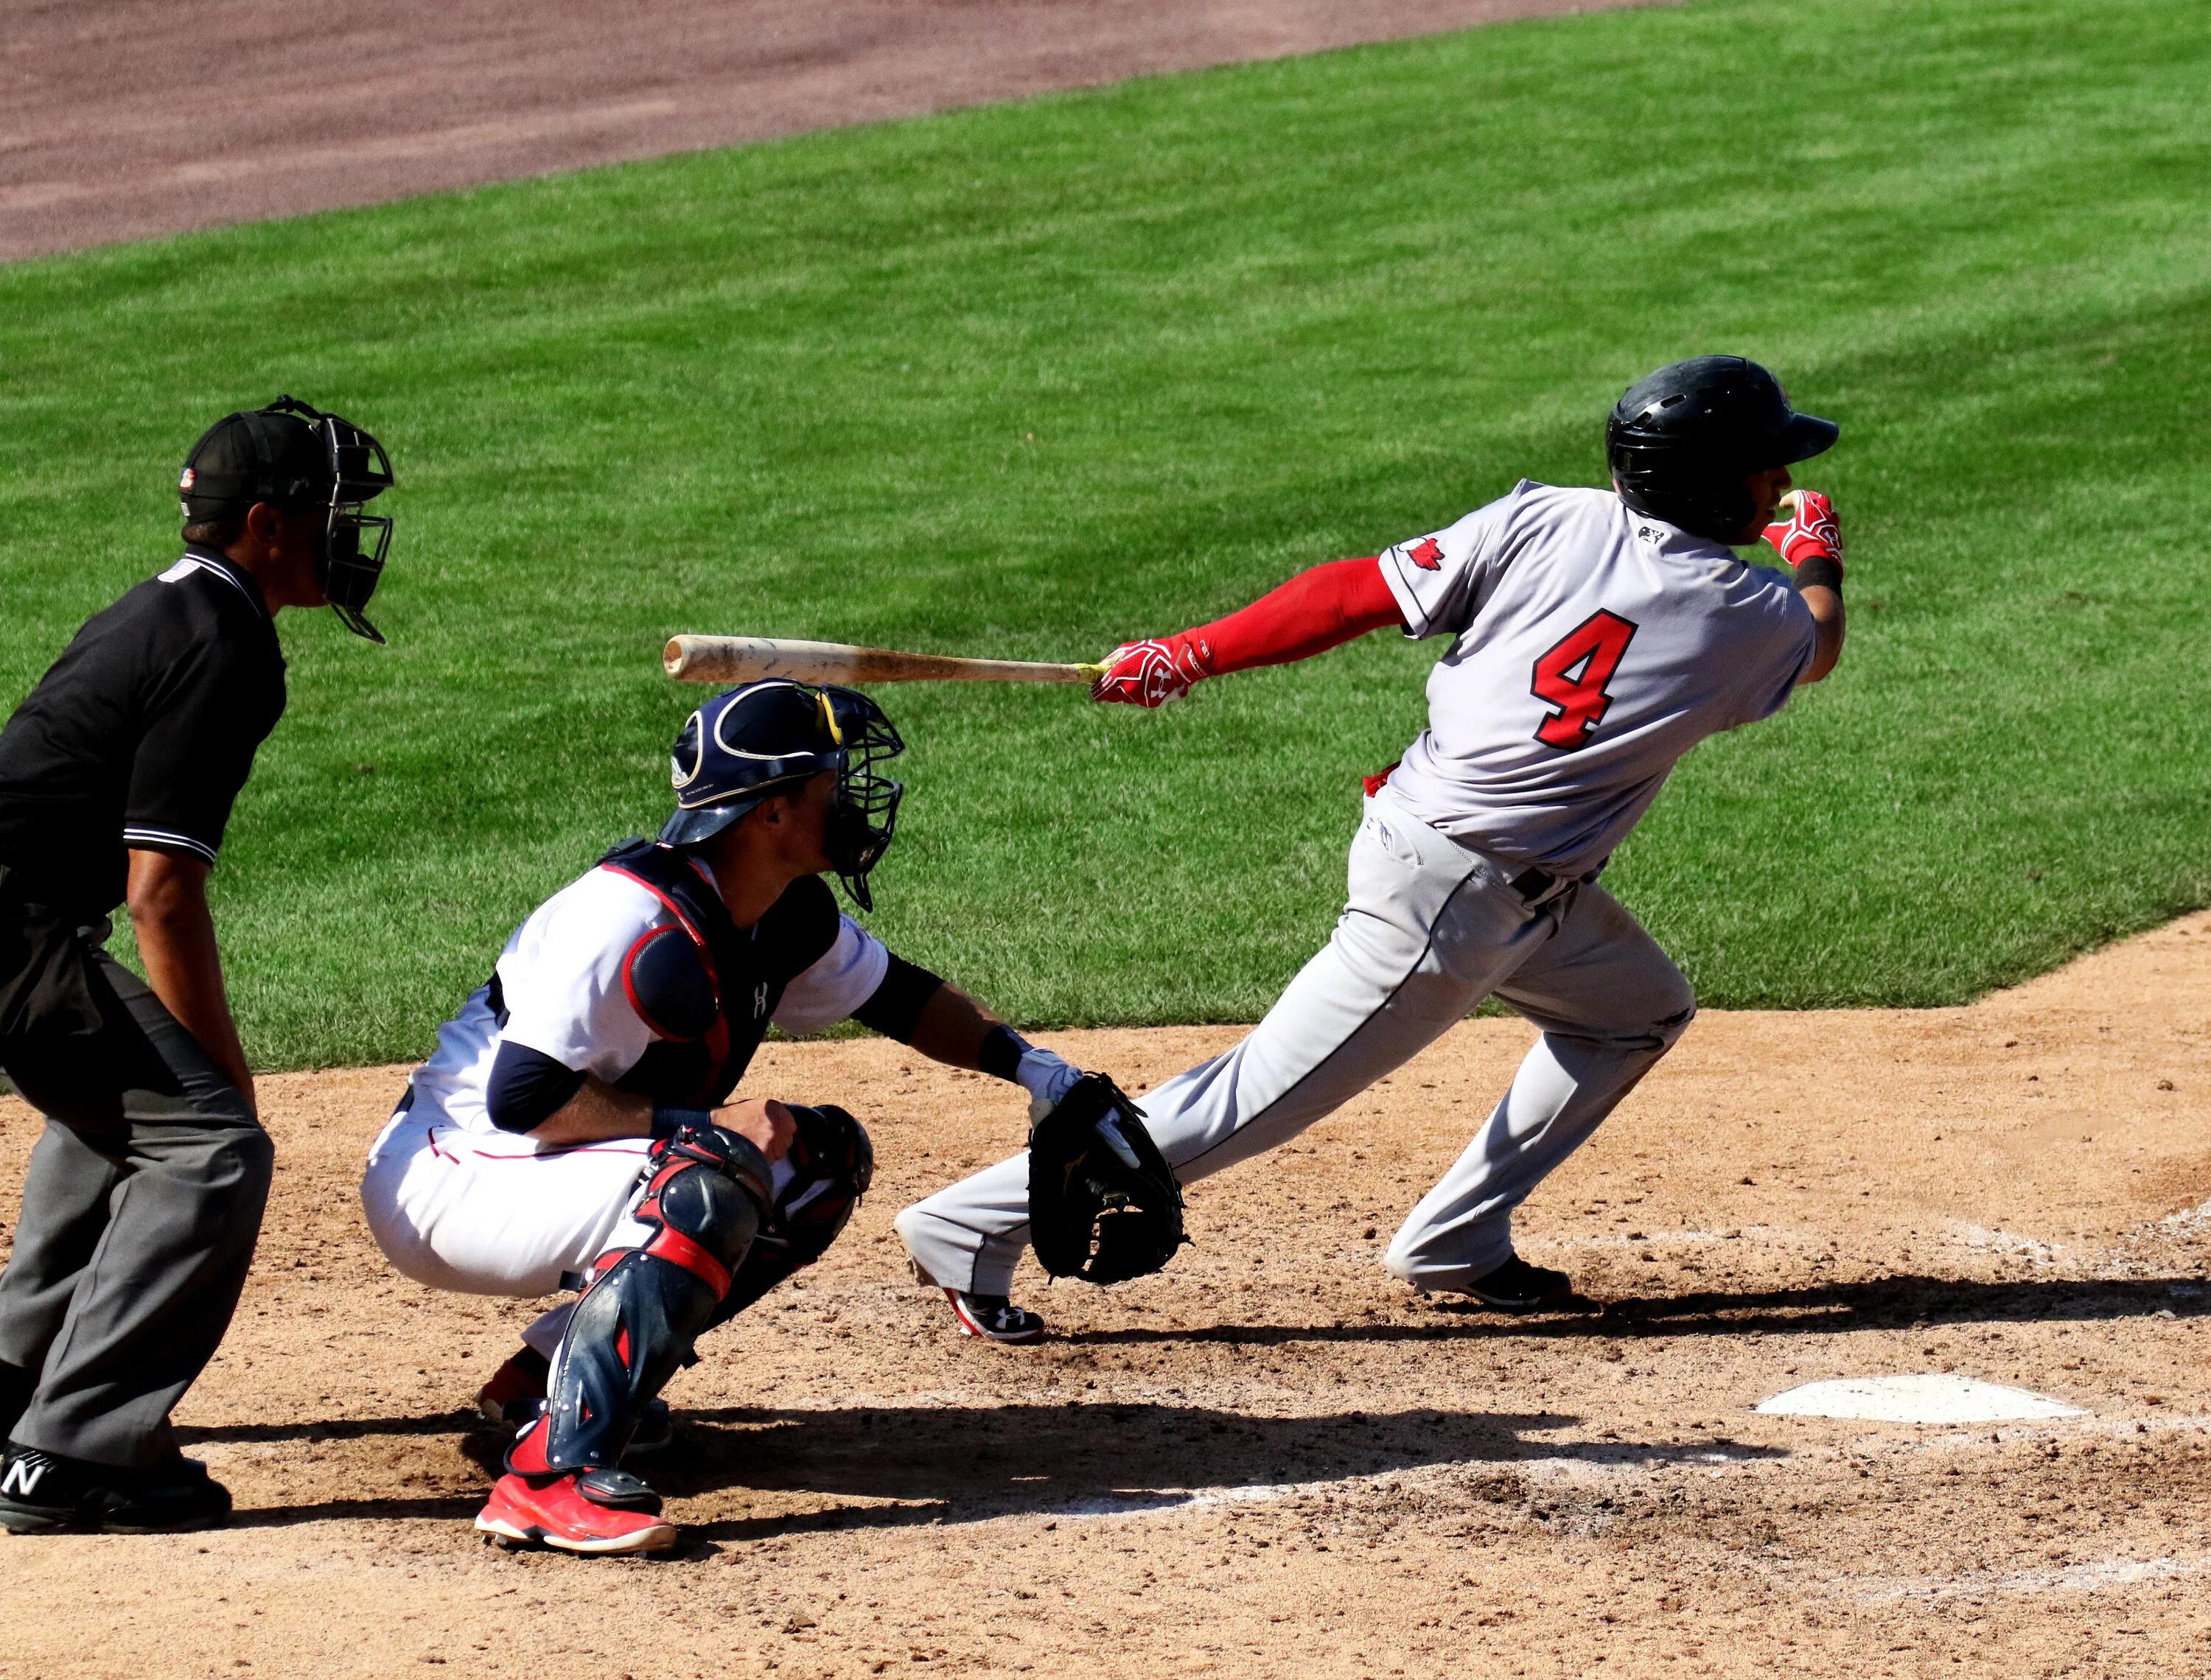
x=1572, y=677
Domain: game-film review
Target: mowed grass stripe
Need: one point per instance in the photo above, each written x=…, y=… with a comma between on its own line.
x=1030, y=379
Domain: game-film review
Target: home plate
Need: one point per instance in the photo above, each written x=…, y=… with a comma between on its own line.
x=1921, y=1397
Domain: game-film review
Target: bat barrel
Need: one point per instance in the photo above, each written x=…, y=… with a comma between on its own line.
x=733, y=659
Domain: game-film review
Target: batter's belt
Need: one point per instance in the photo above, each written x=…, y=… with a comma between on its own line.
x=1540, y=886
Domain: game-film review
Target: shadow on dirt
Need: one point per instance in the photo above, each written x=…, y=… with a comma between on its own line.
x=1872, y=1303
x=954, y=1464
x=904, y=1466
x=458, y=1422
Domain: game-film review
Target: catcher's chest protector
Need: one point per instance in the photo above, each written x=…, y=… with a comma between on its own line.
x=708, y=988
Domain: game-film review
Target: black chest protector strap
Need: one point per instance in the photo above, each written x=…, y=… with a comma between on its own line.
x=675, y=977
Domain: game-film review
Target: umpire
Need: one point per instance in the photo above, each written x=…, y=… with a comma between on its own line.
x=145, y=1192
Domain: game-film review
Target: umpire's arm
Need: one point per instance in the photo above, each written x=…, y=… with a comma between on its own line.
x=167, y=897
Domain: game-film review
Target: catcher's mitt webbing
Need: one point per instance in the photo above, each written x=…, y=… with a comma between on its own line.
x=1104, y=1204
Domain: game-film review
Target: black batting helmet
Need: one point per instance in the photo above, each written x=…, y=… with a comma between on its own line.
x=1683, y=439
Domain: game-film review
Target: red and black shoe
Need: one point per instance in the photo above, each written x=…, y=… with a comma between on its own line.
x=994, y=1318
x=593, y=1510
x=600, y=1513
x=516, y=1389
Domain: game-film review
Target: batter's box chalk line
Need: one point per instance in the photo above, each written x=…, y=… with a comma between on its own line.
x=1918, y=1397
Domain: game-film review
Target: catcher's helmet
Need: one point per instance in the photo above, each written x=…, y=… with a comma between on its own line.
x=767, y=738
x=293, y=454
x=1682, y=440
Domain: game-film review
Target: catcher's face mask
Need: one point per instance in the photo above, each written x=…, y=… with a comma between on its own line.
x=866, y=812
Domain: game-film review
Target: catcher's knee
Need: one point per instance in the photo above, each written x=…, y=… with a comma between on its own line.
x=711, y=1208
x=706, y=1201
x=832, y=1164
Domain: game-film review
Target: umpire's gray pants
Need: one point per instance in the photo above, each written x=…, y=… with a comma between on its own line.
x=140, y=1213
x=1431, y=929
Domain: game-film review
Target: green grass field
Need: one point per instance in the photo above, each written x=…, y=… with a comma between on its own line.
x=1030, y=379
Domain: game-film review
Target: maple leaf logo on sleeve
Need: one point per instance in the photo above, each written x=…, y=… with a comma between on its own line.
x=1427, y=554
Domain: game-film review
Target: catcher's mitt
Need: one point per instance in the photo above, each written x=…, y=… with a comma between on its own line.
x=1104, y=1204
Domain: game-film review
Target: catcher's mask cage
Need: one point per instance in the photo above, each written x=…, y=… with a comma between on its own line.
x=768, y=737
x=1682, y=441
x=342, y=467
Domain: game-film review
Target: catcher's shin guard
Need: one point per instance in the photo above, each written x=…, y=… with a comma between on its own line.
x=643, y=1307
x=833, y=1163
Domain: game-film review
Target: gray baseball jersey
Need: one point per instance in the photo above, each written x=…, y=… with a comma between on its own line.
x=1594, y=647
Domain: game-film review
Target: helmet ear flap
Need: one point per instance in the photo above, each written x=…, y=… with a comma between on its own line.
x=1683, y=441
x=685, y=758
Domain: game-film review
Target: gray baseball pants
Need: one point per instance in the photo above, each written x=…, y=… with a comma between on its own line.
x=1431, y=929
x=141, y=1210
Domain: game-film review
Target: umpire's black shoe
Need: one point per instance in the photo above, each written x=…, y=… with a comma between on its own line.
x=1518, y=1287
x=994, y=1318
x=44, y=1493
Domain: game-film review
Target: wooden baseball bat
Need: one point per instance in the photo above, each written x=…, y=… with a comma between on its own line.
x=749, y=658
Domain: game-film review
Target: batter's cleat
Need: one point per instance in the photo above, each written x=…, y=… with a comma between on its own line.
x=516, y=1389
x=564, y=1512
x=1518, y=1287
x=994, y=1318
x=44, y=1493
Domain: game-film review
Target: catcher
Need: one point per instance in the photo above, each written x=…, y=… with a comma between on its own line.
x=573, y=1128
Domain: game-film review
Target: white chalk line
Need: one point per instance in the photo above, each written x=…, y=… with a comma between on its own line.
x=2102, y=1575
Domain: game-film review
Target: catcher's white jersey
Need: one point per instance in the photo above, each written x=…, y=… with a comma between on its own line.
x=1595, y=645
x=561, y=979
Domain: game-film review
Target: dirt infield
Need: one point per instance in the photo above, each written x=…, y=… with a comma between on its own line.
x=131, y=117
x=1272, y=1458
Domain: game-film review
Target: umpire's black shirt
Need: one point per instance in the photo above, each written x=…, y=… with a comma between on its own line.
x=140, y=735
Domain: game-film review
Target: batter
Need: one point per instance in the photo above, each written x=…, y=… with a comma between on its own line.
x=1595, y=636
x=573, y=1128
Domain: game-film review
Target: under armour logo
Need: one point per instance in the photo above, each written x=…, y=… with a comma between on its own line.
x=759, y=1000
x=23, y=1476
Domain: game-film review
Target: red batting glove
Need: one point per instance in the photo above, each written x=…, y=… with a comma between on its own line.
x=1152, y=673
x=1810, y=530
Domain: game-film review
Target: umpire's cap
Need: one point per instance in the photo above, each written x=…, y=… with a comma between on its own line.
x=1682, y=440
x=287, y=453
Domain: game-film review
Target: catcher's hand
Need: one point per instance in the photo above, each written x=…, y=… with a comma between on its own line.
x=1104, y=1204
x=1150, y=673
x=1809, y=530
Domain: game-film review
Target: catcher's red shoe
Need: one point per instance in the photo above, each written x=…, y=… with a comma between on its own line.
x=524, y=1510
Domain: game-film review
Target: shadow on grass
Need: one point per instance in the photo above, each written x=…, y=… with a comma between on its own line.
x=1873, y=1303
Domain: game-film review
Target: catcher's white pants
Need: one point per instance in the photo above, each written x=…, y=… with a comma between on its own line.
x=488, y=1214
x=1431, y=929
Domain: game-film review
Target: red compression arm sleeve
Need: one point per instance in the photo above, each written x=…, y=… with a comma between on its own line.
x=1318, y=610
